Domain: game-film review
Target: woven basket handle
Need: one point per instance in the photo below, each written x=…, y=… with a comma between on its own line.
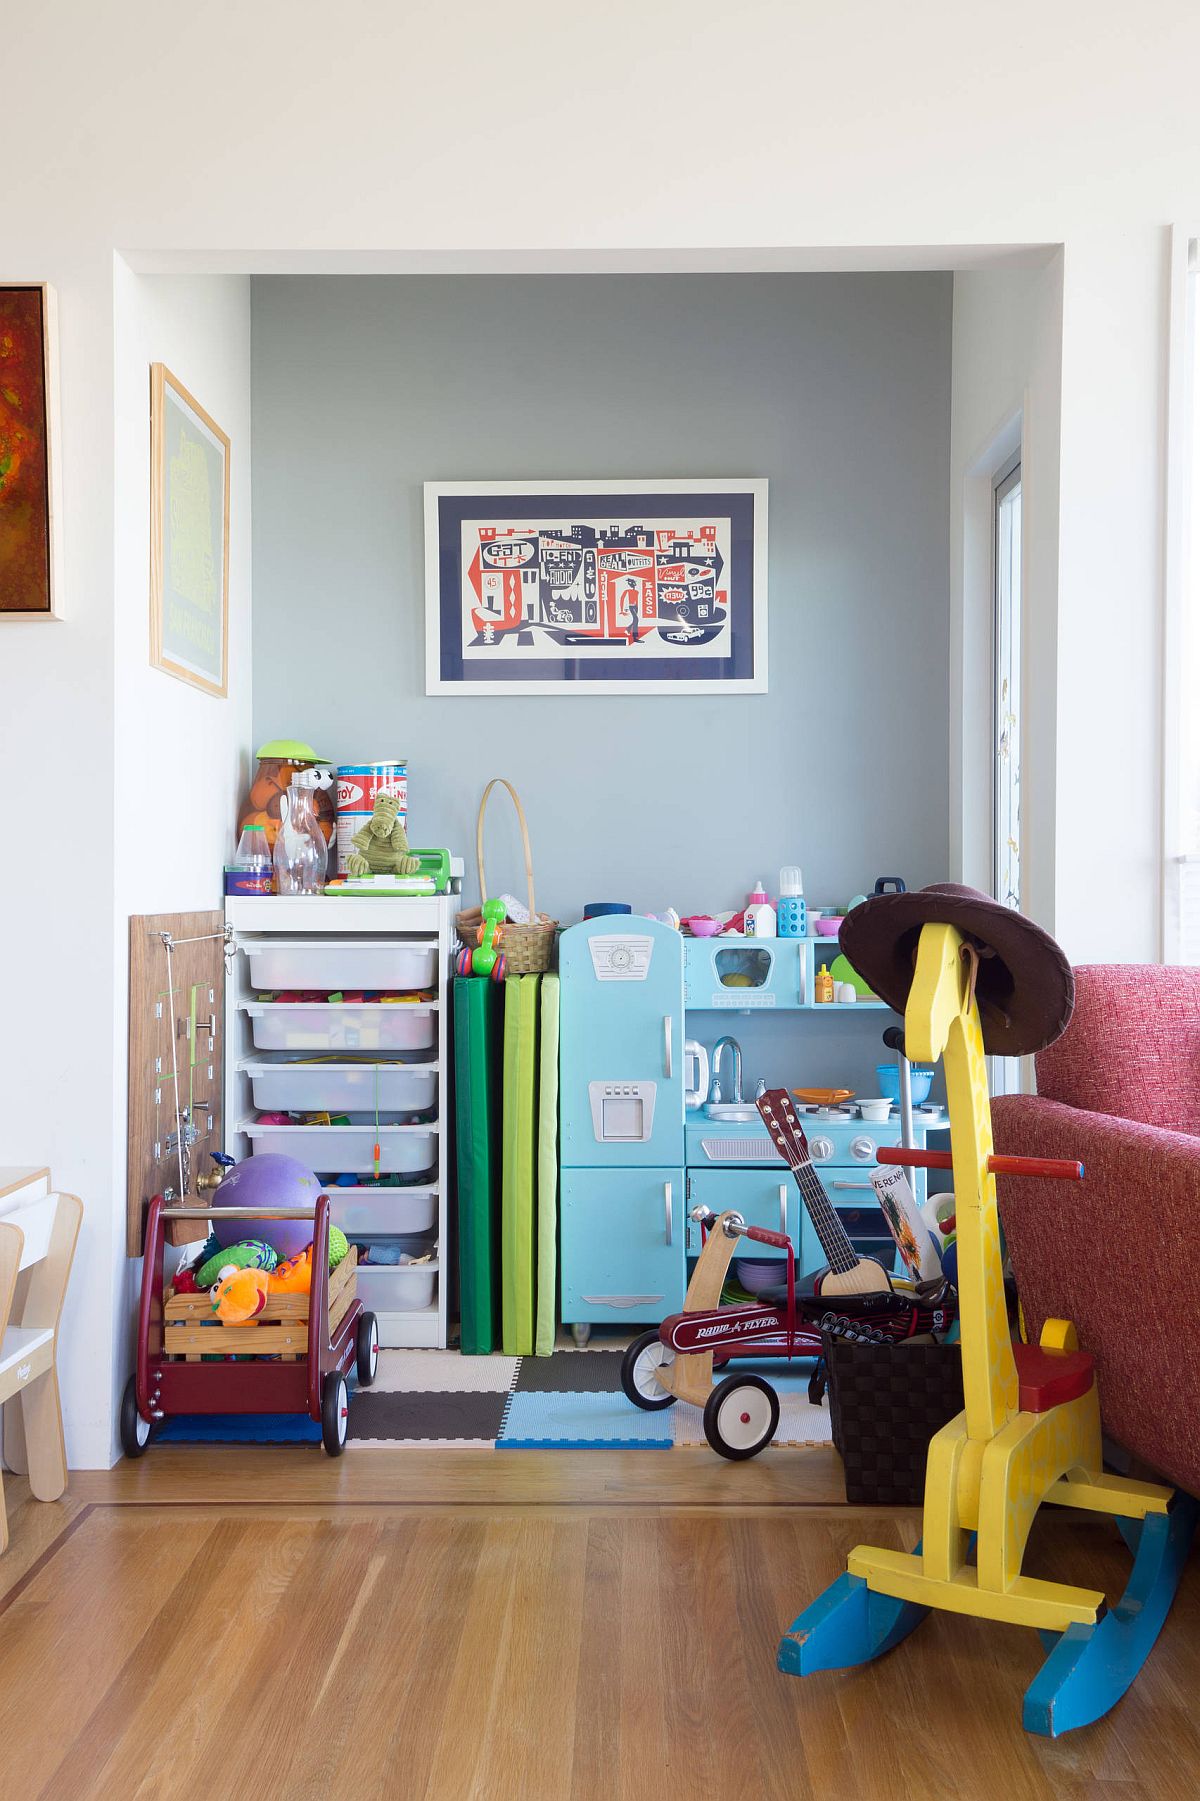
x=499, y=781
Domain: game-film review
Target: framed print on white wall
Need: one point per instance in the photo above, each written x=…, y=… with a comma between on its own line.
x=596, y=587
x=189, y=537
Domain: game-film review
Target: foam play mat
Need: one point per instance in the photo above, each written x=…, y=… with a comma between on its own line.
x=572, y=1401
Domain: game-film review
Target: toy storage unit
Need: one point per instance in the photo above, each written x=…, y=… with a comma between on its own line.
x=381, y=1065
x=634, y=1162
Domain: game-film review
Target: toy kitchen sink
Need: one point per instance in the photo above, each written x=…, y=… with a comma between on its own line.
x=635, y=1158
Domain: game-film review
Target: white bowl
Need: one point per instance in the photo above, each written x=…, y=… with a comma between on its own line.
x=876, y=1110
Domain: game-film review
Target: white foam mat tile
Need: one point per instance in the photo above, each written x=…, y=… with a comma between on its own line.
x=442, y=1372
x=800, y=1423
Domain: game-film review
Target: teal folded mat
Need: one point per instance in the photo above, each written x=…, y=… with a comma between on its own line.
x=477, y=1051
x=547, y=1172
x=518, y=1183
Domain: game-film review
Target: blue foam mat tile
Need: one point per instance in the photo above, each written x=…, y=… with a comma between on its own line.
x=239, y=1429
x=536, y=1420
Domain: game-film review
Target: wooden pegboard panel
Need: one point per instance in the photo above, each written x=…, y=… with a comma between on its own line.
x=176, y=1020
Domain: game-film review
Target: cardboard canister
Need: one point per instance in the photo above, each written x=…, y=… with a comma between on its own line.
x=358, y=785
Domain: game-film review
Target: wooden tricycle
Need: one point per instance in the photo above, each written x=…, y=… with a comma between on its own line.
x=293, y=1359
x=675, y=1361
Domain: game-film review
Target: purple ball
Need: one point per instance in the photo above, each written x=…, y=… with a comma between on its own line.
x=268, y=1180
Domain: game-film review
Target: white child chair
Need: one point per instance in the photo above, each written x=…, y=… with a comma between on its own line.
x=37, y=1247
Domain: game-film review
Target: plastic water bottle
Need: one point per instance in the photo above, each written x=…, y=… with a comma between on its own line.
x=792, y=910
x=252, y=863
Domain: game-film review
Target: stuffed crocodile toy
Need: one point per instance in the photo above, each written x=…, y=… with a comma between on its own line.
x=381, y=847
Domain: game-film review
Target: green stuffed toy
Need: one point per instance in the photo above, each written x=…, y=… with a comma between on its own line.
x=381, y=847
x=251, y=1254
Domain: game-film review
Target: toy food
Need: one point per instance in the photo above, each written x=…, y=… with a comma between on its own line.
x=278, y=761
x=240, y=1294
x=251, y=1253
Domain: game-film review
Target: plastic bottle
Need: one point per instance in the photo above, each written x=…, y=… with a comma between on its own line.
x=823, y=986
x=757, y=895
x=301, y=853
x=252, y=862
x=793, y=908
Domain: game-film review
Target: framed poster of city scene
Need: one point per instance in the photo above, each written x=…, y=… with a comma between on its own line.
x=597, y=587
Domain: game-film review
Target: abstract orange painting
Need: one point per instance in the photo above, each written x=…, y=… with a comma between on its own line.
x=26, y=552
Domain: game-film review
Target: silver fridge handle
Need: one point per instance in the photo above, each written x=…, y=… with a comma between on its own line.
x=869, y=1185
x=783, y=1208
x=670, y=1212
x=668, y=1048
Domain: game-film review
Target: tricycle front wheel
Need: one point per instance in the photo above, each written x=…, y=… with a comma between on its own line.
x=335, y=1413
x=644, y=1356
x=740, y=1417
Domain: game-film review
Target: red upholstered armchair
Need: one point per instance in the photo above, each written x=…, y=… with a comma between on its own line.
x=1119, y=1254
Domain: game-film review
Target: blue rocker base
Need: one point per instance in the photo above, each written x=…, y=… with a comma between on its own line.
x=1090, y=1667
x=847, y=1625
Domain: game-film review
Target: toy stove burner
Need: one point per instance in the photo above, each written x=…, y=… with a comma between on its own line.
x=829, y=1112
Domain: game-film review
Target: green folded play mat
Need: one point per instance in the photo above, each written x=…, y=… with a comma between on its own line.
x=477, y=1022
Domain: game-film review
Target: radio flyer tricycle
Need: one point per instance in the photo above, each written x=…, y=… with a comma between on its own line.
x=675, y=1361
x=294, y=1359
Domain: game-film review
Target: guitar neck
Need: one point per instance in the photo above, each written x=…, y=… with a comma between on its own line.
x=839, y=1252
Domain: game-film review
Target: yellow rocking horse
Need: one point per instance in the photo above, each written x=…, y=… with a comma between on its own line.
x=971, y=978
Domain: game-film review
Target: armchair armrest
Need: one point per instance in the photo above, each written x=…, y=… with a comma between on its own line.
x=1118, y=1255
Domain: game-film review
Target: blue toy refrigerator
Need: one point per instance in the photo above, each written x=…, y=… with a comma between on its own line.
x=621, y=1123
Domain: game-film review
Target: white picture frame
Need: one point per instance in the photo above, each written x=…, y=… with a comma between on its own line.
x=665, y=577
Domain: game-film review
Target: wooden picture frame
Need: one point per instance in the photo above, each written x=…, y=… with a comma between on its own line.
x=30, y=550
x=189, y=537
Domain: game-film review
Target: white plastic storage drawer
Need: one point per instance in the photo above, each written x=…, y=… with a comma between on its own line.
x=396, y=1287
x=383, y=1212
x=341, y=1026
x=350, y=1150
x=343, y=1087
x=330, y=964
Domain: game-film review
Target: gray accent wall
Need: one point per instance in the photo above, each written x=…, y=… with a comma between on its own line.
x=834, y=387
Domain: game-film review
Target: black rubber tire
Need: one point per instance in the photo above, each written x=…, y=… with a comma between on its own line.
x=628, y=1375
x=135, y=1431
x=724, y=1392
x=335, y=1407
x=367, y=1349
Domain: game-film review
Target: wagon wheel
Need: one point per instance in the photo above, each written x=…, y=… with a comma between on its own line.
x=367, y=1349
x=135, y=1431
x=335, y=1413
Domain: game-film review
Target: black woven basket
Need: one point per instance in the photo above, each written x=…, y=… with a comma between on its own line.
x=885, y=1404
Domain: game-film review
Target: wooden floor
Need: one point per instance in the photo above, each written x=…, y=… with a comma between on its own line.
x=222, y=1623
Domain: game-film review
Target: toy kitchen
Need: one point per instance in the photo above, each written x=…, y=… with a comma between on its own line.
x=653, y=1123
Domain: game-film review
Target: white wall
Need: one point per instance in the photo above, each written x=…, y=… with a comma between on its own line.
x=182, y=756
x=1006, y=391
x=382, y=134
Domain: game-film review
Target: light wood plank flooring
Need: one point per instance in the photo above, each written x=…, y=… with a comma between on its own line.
x=593, y=1626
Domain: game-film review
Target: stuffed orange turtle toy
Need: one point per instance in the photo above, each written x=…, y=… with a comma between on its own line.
x=239, y=1295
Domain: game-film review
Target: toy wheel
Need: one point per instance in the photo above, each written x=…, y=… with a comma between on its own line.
x=368, y=1349
x=645, y=1355
x=335, y=1413
x=740, y=1416
x=135, y=1431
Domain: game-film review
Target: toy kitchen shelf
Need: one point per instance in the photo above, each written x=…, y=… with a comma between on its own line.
x=382, y=1064
x=745, y=974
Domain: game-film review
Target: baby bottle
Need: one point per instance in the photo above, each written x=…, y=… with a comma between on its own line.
x=792, y=910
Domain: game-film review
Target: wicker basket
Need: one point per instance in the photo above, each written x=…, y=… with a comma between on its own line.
x=528, y=949
x=885, y=1404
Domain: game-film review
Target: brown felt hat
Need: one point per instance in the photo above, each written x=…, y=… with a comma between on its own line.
x=1025, y=988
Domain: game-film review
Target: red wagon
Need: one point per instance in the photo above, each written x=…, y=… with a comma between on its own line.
x=294, y=1359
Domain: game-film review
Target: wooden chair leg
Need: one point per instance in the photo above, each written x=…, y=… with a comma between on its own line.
x=47, y=1451
x=15, y=1454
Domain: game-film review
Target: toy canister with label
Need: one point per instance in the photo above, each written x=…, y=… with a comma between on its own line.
x=358, y=784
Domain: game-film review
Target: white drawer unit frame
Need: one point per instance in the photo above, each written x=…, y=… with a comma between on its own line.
x=312, y=939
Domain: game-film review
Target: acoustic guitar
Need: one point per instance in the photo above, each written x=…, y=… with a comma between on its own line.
x=848, y=1273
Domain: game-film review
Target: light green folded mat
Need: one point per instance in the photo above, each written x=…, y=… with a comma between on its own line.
x=547, y=1172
